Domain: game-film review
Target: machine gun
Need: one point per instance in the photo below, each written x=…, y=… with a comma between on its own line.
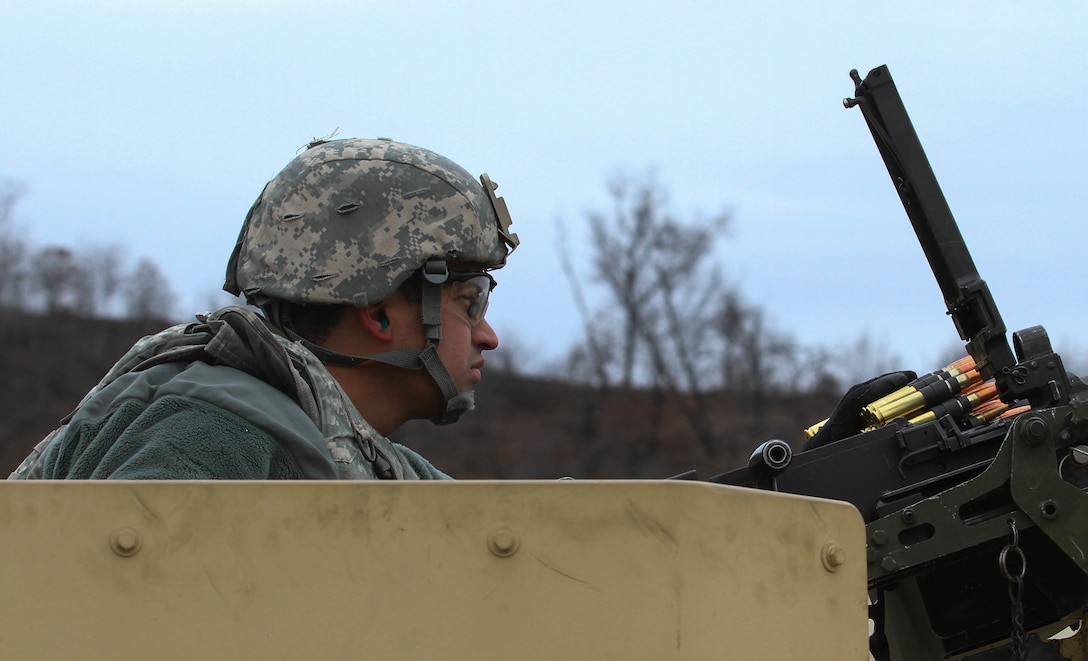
x=975, y=535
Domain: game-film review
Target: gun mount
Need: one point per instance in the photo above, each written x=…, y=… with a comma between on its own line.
x=947, y=505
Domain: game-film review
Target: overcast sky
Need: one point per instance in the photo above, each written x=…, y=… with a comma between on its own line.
x=156, y=124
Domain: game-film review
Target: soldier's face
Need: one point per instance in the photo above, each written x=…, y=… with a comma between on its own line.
x=466, y=334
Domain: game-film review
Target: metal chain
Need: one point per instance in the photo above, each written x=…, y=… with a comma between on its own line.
x=1015, y=577
x=878, y=641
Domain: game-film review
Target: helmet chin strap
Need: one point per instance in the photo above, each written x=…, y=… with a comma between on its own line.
x=435, y=273
x=457, y=403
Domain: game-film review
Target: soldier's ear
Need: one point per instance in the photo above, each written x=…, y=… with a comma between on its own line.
x=375, y=320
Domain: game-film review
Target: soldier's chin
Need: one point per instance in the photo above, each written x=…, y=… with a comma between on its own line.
x=456, y=407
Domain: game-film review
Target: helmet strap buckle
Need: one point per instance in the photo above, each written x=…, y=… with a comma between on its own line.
x=436, y=271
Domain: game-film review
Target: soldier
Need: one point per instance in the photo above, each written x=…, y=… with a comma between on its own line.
x=370, y=260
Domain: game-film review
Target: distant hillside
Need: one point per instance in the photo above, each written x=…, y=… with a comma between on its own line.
x=532, y=428
x=525, y=427
x=47, y=365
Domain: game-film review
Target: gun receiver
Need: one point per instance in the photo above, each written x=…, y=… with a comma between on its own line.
x=944, y=501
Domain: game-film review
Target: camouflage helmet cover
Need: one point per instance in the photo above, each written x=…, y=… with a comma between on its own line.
x=348, y=221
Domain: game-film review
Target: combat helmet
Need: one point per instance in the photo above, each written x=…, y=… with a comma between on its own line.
x=347, y=222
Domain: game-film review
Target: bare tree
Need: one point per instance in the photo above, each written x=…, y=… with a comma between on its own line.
x=103, y=265
x=148, y=296
x=757, y=360
x=588, y=363
x=623, y=244
x=679, y=338
x=658, y=275
x=13, y=248
x=656, y=326
x=57, y=276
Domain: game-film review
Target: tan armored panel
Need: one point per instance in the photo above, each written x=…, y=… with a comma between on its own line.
x=466, y=570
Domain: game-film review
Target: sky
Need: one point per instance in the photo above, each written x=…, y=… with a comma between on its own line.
x=154, y=125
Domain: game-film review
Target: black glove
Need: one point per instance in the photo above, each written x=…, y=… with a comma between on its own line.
x=845, y=421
